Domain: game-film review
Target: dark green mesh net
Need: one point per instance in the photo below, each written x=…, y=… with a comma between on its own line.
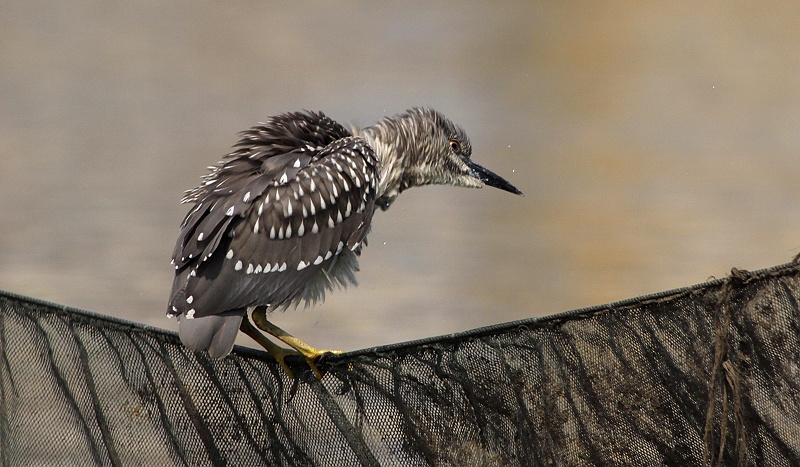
x=703, y=375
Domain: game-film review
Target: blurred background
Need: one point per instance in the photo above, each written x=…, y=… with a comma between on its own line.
x=656, y=143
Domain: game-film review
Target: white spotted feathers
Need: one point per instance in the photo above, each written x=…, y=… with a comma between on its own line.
x=297, y=192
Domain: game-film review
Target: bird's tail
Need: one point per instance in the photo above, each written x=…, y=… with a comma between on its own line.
x=214, y=334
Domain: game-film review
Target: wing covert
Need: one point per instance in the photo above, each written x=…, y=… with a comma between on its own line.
x=258, y=240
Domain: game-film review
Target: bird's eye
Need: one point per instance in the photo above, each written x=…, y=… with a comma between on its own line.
x=455, y=146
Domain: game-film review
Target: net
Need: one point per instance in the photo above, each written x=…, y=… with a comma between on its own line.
x=708, y=374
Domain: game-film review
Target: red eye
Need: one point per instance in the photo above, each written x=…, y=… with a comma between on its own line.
x=455, y=146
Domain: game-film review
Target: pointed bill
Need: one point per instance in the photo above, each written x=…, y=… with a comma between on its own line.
x=490, y=178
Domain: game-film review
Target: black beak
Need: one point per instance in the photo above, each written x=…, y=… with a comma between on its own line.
x=490, y=178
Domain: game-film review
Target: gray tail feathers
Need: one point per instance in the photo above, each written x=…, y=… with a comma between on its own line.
x=215, y=333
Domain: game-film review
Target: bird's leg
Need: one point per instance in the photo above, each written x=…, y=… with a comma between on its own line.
x=275, y=350
x=310, y=353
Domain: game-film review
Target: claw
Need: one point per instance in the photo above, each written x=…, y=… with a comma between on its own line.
x=312, y=361
x=280, y=355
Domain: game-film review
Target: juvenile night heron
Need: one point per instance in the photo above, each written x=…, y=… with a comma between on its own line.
x=282, y=218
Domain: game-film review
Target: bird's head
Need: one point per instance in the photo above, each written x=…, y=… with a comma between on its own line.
x=423, y=147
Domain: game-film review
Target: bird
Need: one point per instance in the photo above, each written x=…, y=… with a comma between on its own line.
x=282, y=219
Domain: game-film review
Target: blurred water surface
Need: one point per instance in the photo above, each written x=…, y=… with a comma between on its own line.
x=656, y=143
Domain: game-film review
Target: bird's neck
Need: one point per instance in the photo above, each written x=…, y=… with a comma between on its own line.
x=394, y=144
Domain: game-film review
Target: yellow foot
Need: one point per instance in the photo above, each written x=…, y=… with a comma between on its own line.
x=311, y=354
x=312, y=361
x=275, y=350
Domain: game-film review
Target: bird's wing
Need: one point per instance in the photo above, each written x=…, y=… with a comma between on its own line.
x=270, y=224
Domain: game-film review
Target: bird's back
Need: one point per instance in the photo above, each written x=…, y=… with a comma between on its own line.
x=277, y=220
